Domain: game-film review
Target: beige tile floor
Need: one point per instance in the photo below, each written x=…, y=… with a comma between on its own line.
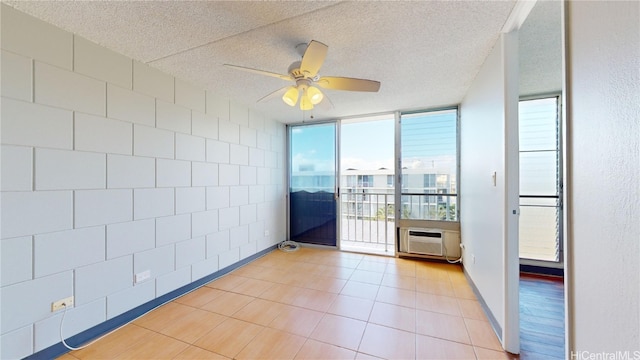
x=315, y=304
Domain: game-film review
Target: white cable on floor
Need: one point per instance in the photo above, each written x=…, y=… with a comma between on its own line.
x=288, y=246
x=123, y=325
x=85, y=345
x=447, y=258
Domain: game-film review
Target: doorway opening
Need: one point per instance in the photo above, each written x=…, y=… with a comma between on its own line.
x=367, y=185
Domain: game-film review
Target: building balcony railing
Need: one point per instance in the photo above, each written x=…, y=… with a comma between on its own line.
x=367, y=221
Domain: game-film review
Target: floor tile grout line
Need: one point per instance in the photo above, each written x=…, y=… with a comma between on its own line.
x=335, y=296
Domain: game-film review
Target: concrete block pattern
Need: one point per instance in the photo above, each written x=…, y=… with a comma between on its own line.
x=217, y=106
x=77, y=319
x=18, y=344
x=101, y=63
x=218, y=152
x=228, y=131
x=36, y=39
x=228, y=174
x=130, y=172
x=82, y=170
x=151, y=203
x=239, y=114
x=99, y=134
x=152, y=142
x=173, y=117
x=228, y=218
x=190, y=199
x=158, y=261
x=152, y=82
x=130, y=237
x=122, y=301
x=204, y=223
x=36, y=125
x=204, y=125
x=239, y=154
x=124, y=104
x=204, y=174
x=204, y=268
x=16, y=168
x=101, y=279
x=218, y=197
x=190, y=148
x=100, y=207
x=17, y=260
x=30, y=301
x=171, y=229
x=67, y=250
x=28, y=213
x=17, y=76
x=172, y=173
x=218, y=243
x=248, y=175
x=173, y=280
x=190, y=96
x=82, y=93
x=190, y=251
x=248, y=137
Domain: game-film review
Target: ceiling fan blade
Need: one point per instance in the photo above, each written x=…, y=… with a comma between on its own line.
x=273, y=95
x=350, y=84
x=260, y=72
x=313, y=58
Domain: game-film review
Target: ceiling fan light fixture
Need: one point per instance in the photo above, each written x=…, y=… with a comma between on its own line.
x=291, y=96
x=315, y=95
x=305, y=103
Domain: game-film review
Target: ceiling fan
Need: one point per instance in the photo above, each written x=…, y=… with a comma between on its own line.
x=305, y=75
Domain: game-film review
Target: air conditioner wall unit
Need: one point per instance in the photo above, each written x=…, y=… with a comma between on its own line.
x=425, y=242
x=434, y=243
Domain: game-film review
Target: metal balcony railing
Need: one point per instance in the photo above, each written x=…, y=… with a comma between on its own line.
x=367, y=219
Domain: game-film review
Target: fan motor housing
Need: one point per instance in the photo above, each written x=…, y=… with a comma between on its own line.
x=294, y=70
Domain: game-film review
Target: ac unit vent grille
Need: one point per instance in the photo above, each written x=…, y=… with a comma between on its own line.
x=425, y=242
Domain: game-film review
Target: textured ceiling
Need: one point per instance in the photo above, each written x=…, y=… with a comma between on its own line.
x=425, y=53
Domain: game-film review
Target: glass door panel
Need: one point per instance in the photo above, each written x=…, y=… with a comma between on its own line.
x=367, y=189
x=312, y=184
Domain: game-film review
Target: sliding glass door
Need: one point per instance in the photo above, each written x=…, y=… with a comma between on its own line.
x=312, y=184
x=367, y=185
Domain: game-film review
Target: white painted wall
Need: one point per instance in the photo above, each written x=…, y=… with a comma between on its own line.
x=110, y=167
x=603, y=89
x=488, y=122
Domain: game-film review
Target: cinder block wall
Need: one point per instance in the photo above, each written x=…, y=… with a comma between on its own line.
x=110, y=168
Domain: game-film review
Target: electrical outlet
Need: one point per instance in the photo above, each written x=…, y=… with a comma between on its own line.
x=62, y=303
x=266, y=233
x=142, y=276
x=473, y=259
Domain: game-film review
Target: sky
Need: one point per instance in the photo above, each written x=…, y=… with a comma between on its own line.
x=429, y=142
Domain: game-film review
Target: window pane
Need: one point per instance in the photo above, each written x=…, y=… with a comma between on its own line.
x=539, y=173
x=429, y=165
x=539, y=231
x=538, y=124
x=539, y=179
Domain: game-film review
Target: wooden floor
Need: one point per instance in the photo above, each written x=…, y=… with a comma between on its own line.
x=541, y=317
x=315, y=304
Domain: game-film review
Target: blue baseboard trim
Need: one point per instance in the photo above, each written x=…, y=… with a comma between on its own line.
x=84, y=337
x=492, y=319
x=541, y=270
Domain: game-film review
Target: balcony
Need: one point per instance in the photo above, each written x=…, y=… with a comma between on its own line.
x=368, y=222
